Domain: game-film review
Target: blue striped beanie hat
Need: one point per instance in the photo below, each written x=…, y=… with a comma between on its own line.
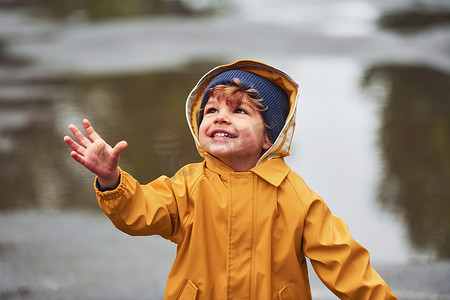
x=275, y=99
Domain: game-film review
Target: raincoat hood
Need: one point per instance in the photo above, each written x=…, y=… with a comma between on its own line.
x=282, y=144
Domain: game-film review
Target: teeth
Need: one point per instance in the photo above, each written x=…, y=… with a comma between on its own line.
x=222, y=134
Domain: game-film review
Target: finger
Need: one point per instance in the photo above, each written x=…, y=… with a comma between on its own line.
x=119, y=147
x=74, y=145
x=92, y=134
x=79, y=135
x=77, y=157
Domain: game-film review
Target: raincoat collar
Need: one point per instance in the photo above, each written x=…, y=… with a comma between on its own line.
x=273, y=171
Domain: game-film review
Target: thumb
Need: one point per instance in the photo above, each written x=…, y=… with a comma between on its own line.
x=119, y=147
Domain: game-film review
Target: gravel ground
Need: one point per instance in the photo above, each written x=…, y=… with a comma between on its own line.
x=80, y=255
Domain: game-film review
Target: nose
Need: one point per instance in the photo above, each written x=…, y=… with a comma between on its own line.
x=221, y=118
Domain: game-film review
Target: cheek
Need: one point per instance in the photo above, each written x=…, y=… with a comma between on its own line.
x=202, y=137
x=258, y=131
x=251, y=137
x=201, y=132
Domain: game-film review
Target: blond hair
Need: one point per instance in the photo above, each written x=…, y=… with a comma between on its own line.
x=234, y=93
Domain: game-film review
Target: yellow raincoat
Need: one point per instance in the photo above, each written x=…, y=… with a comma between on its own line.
x=244, y=235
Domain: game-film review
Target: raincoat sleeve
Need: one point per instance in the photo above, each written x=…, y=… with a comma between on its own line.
x=160, y=207
x=339, y=261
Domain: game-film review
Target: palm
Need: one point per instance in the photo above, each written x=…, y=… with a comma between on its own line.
x=93, y=152
x=99, y=158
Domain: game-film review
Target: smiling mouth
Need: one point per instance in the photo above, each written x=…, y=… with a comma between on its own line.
x=222, y=134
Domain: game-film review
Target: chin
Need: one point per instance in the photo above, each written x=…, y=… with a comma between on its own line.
x=219, y=153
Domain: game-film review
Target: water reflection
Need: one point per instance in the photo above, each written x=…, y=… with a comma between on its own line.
x=415, y=19
x=25, y=147
x=145, y=109
x=415, y=143
x=8, y=60
x=99, y=10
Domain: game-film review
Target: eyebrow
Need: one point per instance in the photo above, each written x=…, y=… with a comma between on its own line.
x=246, y=105
x=211, y=101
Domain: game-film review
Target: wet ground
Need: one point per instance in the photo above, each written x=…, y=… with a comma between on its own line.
x=373, y=119
x=78, y=255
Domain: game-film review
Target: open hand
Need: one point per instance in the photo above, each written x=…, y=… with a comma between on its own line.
x=95, y=154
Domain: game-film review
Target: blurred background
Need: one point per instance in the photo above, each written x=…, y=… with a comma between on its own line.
x=372, y=135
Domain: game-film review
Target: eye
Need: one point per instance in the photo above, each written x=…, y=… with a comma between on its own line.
x=211, y=110
x=240, y=111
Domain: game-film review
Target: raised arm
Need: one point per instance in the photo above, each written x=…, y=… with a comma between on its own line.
x=95, y=154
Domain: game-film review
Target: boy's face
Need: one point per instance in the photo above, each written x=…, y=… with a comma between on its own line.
x=233, y=133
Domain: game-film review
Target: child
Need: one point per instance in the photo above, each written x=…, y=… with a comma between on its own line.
x=243, y=221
